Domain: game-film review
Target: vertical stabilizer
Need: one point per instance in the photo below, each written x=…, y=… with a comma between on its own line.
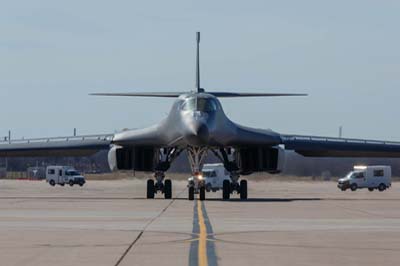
x=198, y=88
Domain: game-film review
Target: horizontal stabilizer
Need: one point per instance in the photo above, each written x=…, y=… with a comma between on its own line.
x=245, y=94
x=216, y=94
x=143, y=94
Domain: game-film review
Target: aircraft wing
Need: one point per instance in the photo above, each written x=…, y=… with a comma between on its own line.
x=312, y=146
x=59, y=146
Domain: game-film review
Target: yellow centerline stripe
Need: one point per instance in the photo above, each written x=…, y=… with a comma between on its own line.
x=202, y=252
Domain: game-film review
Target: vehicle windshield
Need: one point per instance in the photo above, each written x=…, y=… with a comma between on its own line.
x=209, y=173
x=72, y=172
x=349, y=175
x=354, y=174
x=200, y=104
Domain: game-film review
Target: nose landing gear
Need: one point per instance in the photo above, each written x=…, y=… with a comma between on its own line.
x=196, y=186
x=196, y=156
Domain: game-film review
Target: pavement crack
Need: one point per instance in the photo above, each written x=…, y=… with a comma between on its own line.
x=145, y=227
x=129, y=248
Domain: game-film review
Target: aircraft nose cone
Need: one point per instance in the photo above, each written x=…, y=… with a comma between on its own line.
x=198, y=134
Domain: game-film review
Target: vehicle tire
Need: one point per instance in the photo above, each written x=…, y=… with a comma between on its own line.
x=191, y=193
x=243, y=189
x=167, y=189
x=353, y=187
x=208, y=187
x=150, y=188
x=202, y=193
x=371, y=189
x=71, y=183
x=381, y=187
x=226, y=189
x=81, y=184
x=52, y=183
x=62, y=184
x=343, y=189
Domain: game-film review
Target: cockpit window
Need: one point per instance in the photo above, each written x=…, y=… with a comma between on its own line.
x=200, y=104
x=206, y=105
x=189, y=104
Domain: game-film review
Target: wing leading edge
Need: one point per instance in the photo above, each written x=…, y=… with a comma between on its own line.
x=60, y=146
x=312, y=146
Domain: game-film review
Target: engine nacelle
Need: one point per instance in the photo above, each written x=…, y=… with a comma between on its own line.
x=260, y=159
x=132, y=158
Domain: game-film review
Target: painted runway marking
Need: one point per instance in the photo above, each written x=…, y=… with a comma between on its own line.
x=202, y=248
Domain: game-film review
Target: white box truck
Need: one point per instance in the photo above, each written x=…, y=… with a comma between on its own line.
x=61, y=175
x=214, y=176
x=371, y=177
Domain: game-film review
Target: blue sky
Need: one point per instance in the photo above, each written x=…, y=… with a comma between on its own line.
x=344, y=54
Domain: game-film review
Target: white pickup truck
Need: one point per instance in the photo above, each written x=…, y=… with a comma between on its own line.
x=371, y=177
x=61, y=175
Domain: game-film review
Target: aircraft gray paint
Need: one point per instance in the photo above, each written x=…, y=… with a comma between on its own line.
x=197, y=124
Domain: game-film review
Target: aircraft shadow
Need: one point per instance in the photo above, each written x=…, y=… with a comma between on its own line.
x=267, y=199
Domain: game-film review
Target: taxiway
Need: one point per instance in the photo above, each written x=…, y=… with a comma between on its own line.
x=111, y=223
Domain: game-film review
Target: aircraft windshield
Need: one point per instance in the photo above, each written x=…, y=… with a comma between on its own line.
x=200, y=104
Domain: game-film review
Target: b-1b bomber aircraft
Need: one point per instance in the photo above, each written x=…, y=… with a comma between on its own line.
x=198, y=125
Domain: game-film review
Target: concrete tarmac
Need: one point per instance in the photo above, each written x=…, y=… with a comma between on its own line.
x=111, y=223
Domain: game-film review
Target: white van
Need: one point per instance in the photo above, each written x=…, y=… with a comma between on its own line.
x=214, y=176
x=371, y=177
x=62, y=175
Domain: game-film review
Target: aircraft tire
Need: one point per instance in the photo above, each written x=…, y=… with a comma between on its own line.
x=191, y=193
x=150, y=189
x=243, y=189
x=226, y=190
x=202, y=193
x=167, y=189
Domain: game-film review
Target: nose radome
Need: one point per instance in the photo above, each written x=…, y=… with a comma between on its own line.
x=202, y=131
x=198, y=134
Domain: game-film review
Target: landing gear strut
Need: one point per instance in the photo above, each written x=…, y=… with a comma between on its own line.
x=196, y=184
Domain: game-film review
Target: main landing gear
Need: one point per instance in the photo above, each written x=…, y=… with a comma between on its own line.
x=166, y=156
x=159, y=186
x=229, y=187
